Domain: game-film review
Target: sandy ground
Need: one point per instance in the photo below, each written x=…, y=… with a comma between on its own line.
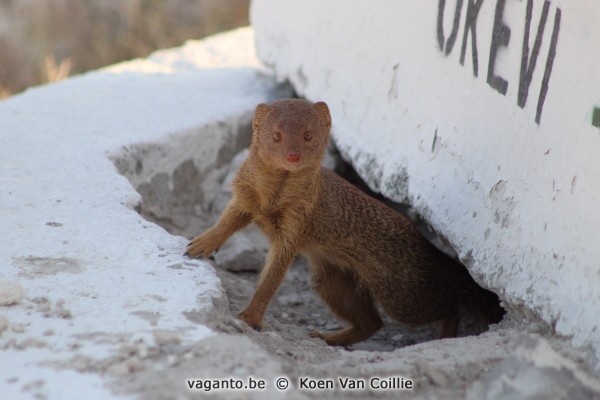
x=462, y=367
x=474, y=365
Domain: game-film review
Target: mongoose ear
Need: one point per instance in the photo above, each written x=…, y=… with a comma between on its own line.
x=260, y=114
x=322, y=111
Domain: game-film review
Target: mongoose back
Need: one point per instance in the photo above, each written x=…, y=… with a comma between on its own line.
x=359, y=250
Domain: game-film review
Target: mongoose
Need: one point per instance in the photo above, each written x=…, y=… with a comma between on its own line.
x=359, y=250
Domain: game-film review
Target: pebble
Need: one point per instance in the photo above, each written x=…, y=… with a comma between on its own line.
x=3, y=323
x=435, y=375
x=118, y=370
x=31, y=343
x=62, y=313
x=43, y=307
x=164, y=337
x=80, y=363
x=280, y=353
x=18, y=328
x=39, y=300
x=272, y=335
x=143, y=352
x=397, y=338
x=133, y=363
x=331, y=326
x=10, y=293
x=74, y=345
x=172, y=360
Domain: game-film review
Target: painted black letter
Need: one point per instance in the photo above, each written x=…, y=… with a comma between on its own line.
x=471, y=25
x=500, y=37
x=440, y=26
x=549, y=63
x=527, y=63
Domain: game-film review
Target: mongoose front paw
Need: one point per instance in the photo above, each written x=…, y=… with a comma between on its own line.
x=201, y=246
x=251, y=320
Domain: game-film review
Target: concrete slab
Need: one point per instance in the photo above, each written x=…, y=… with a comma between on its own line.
x=482, y=116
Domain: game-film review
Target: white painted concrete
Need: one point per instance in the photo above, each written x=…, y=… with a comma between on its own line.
x=95, y=275
x=517, y=199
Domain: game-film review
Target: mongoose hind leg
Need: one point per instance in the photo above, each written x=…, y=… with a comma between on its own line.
x=342, y=292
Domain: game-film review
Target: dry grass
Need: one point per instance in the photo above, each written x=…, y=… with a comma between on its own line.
x=47, y=40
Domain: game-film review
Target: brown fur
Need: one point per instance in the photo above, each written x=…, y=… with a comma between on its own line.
x=359, y=250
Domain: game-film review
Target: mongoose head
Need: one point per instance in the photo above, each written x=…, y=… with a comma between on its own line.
x=291, y=134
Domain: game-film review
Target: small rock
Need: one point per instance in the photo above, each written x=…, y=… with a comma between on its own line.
x=118, y=370
x=272, y=335
x=280, y=353
x=80, y=363
x=166, y=337
x=31, y=343
x=331, y=326
x=435, y=375
x=62, y=313
x=128, y=349
x=74, y=345
x=18, y=328
x=290, y=300
x=245, y=251
x=10, y=293
x=43, y=307
x=143, y=352
x=48, y=332
x=397, y=338
x=133, y=364
x=33, y=385
x=3, y=323
x=172, y=360
x=39, y=300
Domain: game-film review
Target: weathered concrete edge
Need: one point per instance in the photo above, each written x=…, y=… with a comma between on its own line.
x=69, y=211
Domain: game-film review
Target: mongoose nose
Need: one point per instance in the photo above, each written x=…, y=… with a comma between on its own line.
x=293, y=156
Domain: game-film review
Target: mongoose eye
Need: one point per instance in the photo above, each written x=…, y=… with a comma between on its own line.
x=276, y=136
x=307, y=136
